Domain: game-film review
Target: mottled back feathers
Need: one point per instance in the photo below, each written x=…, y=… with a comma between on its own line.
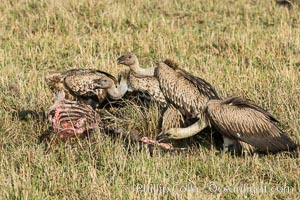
x=149, y=85
x=78, y=83
x=185, y=91
x=241, y=102
x=203, y=86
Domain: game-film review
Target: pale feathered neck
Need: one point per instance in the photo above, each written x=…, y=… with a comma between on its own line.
x=189, y=131
x=117, y=92
x=142, y=72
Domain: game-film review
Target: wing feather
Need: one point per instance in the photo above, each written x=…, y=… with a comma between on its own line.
x=239, y=119
x=183, y=90
x=172, y=118
x=238, y=101
x=149, y=85
x=79, y=83
x=89, y=71
x=203, y=86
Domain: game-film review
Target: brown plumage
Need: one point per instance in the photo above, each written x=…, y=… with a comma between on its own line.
x=148, y=86
x=172, y=118
x=79, y=84
x=185, y=91
x=240, y=120
x=182, y=90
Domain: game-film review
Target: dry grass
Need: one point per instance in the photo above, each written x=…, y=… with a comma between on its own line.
x=246, y=48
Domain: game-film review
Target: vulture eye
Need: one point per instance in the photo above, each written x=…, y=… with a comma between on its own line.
x=129, y=56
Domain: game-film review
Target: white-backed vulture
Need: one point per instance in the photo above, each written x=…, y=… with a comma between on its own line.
x=172, y=117
x=239, y=120
x=80, y=84
x=150, y=86
x=182, y=90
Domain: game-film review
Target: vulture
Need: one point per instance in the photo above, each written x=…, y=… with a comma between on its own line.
x=149, y=86
x=243, y=123
x=83, y=85
x=186, y=94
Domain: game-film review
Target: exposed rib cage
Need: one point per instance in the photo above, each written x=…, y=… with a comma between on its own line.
x=73, y=119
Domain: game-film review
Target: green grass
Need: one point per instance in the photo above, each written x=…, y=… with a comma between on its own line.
x=245, y=48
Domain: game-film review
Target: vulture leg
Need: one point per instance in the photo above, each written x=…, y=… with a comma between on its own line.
x=236, y=146
x=172, y=118
x=228, y=143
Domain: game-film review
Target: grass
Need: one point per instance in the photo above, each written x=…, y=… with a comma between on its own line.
x=245, y=48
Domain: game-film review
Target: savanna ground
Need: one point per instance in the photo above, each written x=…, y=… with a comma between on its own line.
x=245, y=47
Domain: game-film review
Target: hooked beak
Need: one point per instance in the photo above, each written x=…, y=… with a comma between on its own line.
x=97, y=85
x=162, y=137
x=121, y=60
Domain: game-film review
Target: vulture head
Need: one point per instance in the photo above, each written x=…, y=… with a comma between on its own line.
x=103, y=83
x=171, y=134
x=128, y=59
x=114, y=91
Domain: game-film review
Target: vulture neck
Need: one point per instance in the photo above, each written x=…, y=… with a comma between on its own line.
x=142, y=72
x=119, y=91
x=190, y=130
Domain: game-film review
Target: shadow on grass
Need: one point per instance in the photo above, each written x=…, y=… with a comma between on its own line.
x=26, y=115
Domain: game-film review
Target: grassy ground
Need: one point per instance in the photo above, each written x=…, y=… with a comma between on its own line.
x=245, y=48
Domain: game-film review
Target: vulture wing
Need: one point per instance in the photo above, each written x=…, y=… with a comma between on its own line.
x=79, y=83
x=242, y=120
x=172, y=118
x=187, y=93
x=203, y=86
x=149, y=85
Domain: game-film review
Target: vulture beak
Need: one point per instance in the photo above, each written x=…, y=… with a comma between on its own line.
x=162, y=137
x=121, y=60
x=98, y=84
x=96, y=87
